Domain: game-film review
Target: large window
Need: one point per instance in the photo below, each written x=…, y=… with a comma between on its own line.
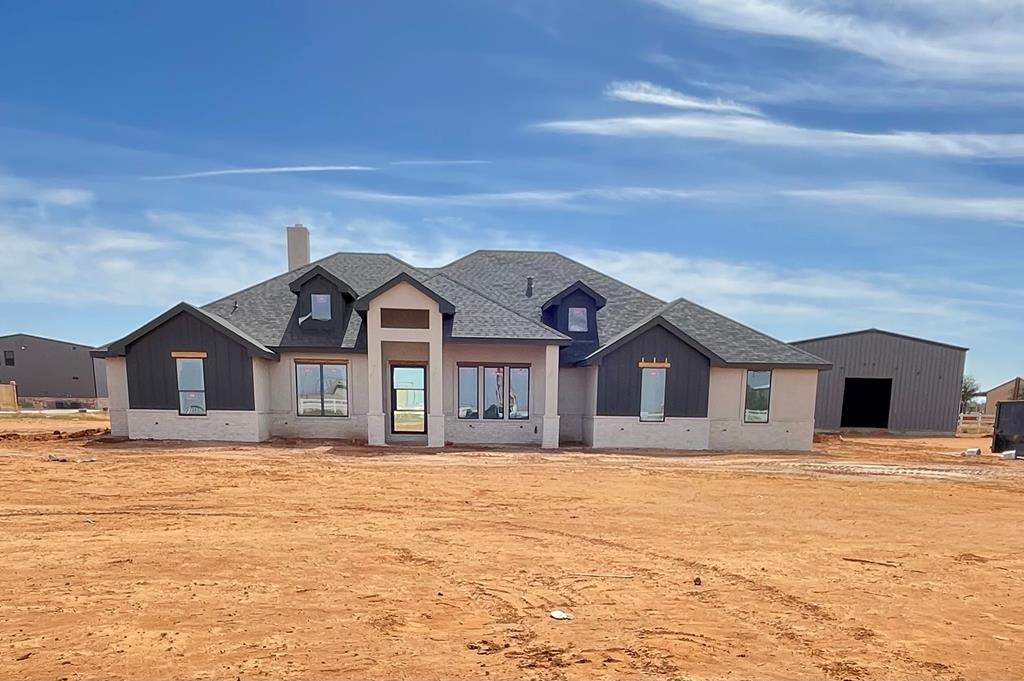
x=321, y=304
x=577, y=319
x=652, y=393
x=191, y=386
x=469, y=393
x=758, y=397
x=494, y=392
x=321, y=389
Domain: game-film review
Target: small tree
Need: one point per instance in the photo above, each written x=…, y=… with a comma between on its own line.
x=968, y=390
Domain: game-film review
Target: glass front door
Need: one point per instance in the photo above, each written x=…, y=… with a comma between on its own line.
x=408, y=399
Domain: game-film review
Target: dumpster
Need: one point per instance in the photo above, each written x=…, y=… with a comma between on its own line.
x=1008, y=432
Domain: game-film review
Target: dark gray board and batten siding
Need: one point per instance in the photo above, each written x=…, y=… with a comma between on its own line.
x=926, y=378
x=152, y=372
x=686, y=385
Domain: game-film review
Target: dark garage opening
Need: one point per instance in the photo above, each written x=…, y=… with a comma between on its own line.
x=866, y=403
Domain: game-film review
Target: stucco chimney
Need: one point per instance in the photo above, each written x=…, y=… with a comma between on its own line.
x=298, y=246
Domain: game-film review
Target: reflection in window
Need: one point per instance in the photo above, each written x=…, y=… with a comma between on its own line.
x=758, y=397
x=469, y=399
x=652, y=394
x=321, y=389
x=494, y=392
x=9, y=358
x=191, y=386
x=577, y=319
x=408, y=399
x=321, y=303
x=518, y=393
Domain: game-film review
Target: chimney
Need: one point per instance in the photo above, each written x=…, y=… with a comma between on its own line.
x=529, y=287
x=298, y=246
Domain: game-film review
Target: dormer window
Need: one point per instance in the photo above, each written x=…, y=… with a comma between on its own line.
x=321, y=306
x=578, y=319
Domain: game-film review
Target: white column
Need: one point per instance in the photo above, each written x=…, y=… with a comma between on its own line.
x=117, y=396
x=375, y=420
x=435, y=385
x=549, y=437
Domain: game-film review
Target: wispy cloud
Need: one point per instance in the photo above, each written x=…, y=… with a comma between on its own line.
x=644, y=92
x=259, y=171
x=887, y=198
x=546, y=198
x=441, y=162
x=16, y=189
x=767, y=132
x=953, y=39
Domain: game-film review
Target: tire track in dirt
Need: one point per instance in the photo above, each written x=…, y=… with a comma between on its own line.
x=809, y=612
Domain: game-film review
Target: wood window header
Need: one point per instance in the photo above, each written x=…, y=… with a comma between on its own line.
x=645, y=363
x=188, y=355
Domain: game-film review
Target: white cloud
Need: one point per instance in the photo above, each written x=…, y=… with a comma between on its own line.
x=887, y=198
x=951, y=39
x=765, y=132
x=258, y=171
x=16, y=189
x=648, y=93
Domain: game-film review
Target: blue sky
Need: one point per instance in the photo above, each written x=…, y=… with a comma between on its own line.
x=806, y=167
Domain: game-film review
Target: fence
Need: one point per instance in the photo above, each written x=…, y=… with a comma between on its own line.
x=976, y=421
x=8, y=397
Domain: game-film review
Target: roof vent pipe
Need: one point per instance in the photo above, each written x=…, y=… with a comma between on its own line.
x=298, y=246
x=529, y=287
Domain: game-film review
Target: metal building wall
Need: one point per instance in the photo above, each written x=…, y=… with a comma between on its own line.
x=926, y=378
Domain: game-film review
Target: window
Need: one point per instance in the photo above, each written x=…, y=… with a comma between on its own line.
x=758, y=397
x=321, y=306
x=577, y=319
x=469, y=393
x=494, y=392
x=518, y=393
x=321, y=389
x=191, y=386
x=652, y=394
x=9, y=358
x=503, y=392
x=397, y=318
x=408, y=399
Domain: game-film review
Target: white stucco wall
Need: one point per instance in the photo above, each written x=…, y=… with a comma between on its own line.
x=282, y=412
x=117, y=388
x=790, y=412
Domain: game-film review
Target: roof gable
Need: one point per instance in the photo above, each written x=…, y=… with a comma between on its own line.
x=363, y=302
x=578, y=285
x=320, y=271
x=878, y=331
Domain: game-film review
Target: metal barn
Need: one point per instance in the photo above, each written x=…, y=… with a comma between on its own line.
x=887, y=381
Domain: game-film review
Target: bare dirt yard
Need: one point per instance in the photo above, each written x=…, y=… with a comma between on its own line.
x=870, y=558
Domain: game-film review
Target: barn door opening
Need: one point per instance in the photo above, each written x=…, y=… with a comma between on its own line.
x=866, y=403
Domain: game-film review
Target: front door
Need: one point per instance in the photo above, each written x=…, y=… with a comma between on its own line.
x=408, y=399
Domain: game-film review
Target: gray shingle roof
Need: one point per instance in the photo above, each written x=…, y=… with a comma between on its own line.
x=728, y=341
x=488, y=290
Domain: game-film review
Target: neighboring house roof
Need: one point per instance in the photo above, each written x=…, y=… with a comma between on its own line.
x=118, y=347
x=44, y=338
x=1002, y=385
x=724, y=341
x=884, y=333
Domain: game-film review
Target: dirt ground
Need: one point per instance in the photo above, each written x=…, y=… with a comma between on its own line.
x=870, y=558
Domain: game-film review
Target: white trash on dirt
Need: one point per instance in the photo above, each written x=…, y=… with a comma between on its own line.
x=1009, y=454
x=560, y=615
x=972, y=451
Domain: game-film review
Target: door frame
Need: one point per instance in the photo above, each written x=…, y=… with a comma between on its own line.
x=393, y=401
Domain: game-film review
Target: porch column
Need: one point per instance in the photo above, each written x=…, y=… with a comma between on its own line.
x=435, y=384
x=549, y=436
x=375, y=420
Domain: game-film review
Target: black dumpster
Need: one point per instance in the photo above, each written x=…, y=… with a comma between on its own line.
x=1008, y=432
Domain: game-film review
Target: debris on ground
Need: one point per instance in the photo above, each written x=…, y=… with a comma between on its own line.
x=560, y=615
x=1009, y=454
x=696, y=581
x=872, y=562
x=972, y=451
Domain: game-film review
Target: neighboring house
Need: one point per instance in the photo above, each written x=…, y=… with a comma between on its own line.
x=51, y=373
x=887, y=381
x=1011, y=390
x=505, y=347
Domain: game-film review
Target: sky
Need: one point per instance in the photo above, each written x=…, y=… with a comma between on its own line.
x=806, y=167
